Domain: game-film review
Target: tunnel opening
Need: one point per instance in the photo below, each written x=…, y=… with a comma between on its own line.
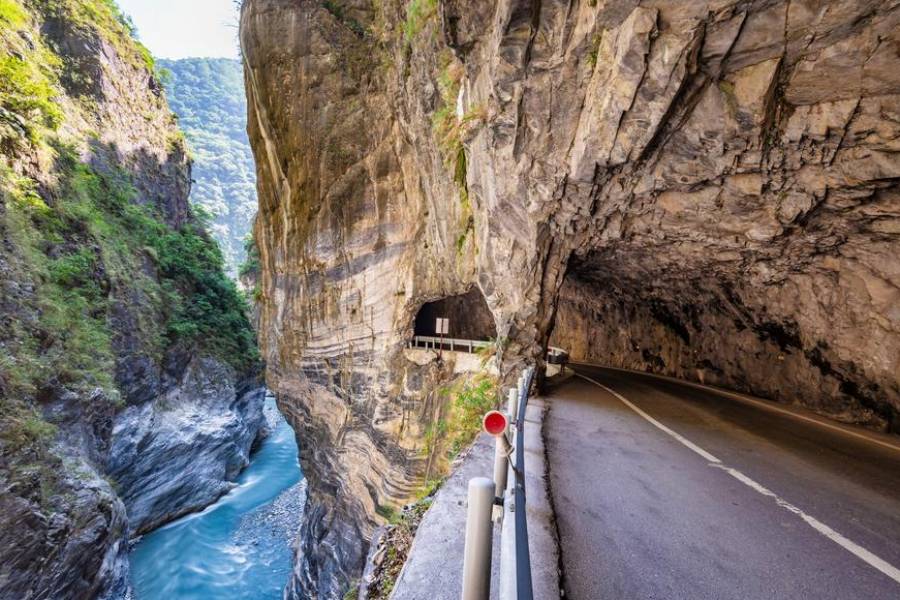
x=468, y=317
x=707, y=322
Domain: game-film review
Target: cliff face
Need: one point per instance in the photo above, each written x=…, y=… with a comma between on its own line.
x=706, y=189
x=121, y=341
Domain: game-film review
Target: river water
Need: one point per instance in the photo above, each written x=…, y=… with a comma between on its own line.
x=238, y=548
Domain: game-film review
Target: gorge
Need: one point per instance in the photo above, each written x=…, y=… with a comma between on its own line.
x=701, y=189
x=129, y=375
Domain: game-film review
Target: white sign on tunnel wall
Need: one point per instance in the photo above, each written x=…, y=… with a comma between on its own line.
x=442, y=327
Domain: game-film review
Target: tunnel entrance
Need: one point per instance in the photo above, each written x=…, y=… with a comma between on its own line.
x=468, y=315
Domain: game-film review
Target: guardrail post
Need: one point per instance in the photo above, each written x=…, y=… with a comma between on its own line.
x=479, y=534
x=501, y=465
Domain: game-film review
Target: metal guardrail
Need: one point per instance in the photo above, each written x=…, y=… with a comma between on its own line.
x=506, y=490
x=523, y=557
x=454, y=344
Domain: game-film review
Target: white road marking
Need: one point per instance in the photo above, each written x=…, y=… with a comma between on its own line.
x=848, y=545
x=753, y=401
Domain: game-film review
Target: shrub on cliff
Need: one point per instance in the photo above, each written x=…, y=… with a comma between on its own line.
x=88, y=249
x=459, y=422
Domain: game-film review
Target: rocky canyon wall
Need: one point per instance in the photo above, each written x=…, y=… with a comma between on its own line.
x=129, y=389
x=703, y=188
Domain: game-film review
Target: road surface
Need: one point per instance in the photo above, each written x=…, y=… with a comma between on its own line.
x=666, y=491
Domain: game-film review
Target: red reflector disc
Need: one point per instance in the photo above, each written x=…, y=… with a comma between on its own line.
x=494, y=422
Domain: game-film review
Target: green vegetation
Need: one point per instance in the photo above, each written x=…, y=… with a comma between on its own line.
x=448, y=130
x=208, y=97
x=89, y=248
x=251, y=266
x=595, y=49
x=28, y=80
x=418, y=13
x=444, y=119
x=398, y=540
x=472, y=398
x=28, y=92
x=103, y=16
x=459, y=422
x=24, y=427
x=353, y=592
x=338, y=12
x=89, y=275
x=12, y=14
x=388, y=513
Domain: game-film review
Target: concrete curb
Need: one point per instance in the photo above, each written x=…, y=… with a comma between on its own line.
x=433, y=569
x=542, y=534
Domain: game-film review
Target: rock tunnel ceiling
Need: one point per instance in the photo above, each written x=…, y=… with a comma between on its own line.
x=705, y=189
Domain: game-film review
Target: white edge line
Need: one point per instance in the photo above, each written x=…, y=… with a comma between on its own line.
x=749, y=400
x=848, y=545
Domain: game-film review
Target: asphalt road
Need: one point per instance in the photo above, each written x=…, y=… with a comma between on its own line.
x=688, y=494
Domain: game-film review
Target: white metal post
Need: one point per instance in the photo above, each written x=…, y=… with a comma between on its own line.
x=477, y=557
x=507, y=583
x=501, y=465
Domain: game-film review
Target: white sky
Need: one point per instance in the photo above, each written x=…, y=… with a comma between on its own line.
x=186, y=28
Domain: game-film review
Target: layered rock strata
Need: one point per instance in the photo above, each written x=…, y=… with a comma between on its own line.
x=707, y=189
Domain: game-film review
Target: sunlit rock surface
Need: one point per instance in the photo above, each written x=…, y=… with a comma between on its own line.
x=711, y=184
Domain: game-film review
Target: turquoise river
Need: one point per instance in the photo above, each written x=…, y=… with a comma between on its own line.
x=238, y=548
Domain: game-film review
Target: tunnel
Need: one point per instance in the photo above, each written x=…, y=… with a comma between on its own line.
x=468, y=314
x=706, y=321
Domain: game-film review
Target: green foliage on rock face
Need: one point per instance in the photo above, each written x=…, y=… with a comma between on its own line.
x=458, y=422
x=398, y=540
x=471, y=400
x=93, y=247
x=103, y=16
x=12, y=14
x=418, y=12
x=28, y=92
x=28, y=80
x=448, y=130
x=208, y=97
x=207, y=308
x=341, y=15
x=251, y=266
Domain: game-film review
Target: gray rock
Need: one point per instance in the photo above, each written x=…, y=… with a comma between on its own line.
x=180, y=452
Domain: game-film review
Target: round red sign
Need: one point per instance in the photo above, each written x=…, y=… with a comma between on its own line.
x=494, y=422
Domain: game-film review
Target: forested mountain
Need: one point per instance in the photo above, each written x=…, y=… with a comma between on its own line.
x=207, y=94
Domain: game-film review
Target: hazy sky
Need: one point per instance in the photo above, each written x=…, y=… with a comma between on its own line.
x=182, y=28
